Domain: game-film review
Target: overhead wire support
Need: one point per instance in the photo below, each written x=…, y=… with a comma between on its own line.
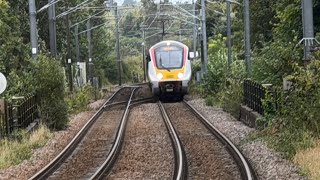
x=215, y=11
x=73, y=9
x=153, y=21
x=100, y=25
x=232, y=1
x=182, y=10
x=95, y=27
x=91, y=16
x=186, y=21
x=48, y=5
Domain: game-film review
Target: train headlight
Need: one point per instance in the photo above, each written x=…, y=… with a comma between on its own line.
x=160, y=76
x=180, y=75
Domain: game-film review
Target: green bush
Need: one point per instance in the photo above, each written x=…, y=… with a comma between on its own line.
x=223, y=83
x=297, y=119
x=216, y=75
x=302, y=105
x=49, y=82
x=80, y=99
x=274, y=61
x=211, y=101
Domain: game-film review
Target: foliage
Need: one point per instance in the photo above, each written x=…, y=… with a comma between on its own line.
x=217, y=67
x=303, y=101
x=287, y=141
x=79, y=100
x=14, y=152
x=48, y=78
x=274, y=61
x=223, y=83
x=232, y=94
x=13, y=50
x=297, y=120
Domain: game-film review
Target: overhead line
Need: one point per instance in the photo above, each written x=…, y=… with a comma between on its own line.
x=48, y=5
x=74, y=8
x=87, y=18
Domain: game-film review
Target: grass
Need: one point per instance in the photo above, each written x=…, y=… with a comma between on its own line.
x=13, y=152
x=309, y=160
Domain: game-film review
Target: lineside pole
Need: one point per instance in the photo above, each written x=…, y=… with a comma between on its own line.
x=229, y=32
x=308, y=29
x=52, y=29
x=144, y=55
x=89, y=50
x=118, y=44
x=204, y=37
x=33, y=28
x=77, y=43
x=247, y=37
x=69, y=62
x=194, y=30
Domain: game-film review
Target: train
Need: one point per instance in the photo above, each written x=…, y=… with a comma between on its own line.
x=169, y=68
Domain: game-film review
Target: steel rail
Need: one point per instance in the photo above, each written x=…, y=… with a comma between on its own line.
x=246, y=170
x=66, y=152
x=149, y=99
x=107, y=165
x=181, y=167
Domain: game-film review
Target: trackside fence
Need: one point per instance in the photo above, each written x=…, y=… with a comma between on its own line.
x=254, y=93
x=18, y=114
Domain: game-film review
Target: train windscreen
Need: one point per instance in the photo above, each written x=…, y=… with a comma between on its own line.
x=169, y=57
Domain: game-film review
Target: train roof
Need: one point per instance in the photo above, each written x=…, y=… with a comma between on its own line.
x=170, y=42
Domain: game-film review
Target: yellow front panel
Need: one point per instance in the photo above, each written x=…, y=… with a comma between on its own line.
x=170, y=76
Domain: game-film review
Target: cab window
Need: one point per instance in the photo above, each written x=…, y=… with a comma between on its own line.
x=169, y=57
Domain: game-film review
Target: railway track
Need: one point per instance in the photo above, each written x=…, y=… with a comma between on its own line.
x=244, y=166
x=66, y=164
x=195, y=152
x=199, y=150
x=208, y=156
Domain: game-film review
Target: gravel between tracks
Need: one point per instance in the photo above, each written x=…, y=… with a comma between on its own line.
x=93, y=149
x=268, y=164
x=147, y=151
x=207, y=157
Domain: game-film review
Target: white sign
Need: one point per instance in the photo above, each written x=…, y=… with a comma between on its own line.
x=90, y=59
x=69, y=61
x=3, y=83
x=34, y=50
x=191, y=55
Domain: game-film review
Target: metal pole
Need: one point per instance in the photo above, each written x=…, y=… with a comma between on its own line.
x=229, y=32
x=69, y=53
x=89, y=49
x=194, y=30
x=52, y=28
x=33, y=28
x=204, y=37
x=247, y=36
x=77, y=42
x=118, y=44
x=308, y=29
x=180, y=35
x=144, y=55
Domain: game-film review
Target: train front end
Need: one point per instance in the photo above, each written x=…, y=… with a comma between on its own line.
x=169, y=69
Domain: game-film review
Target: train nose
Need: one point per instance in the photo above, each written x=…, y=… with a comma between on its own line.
x=170, y=87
